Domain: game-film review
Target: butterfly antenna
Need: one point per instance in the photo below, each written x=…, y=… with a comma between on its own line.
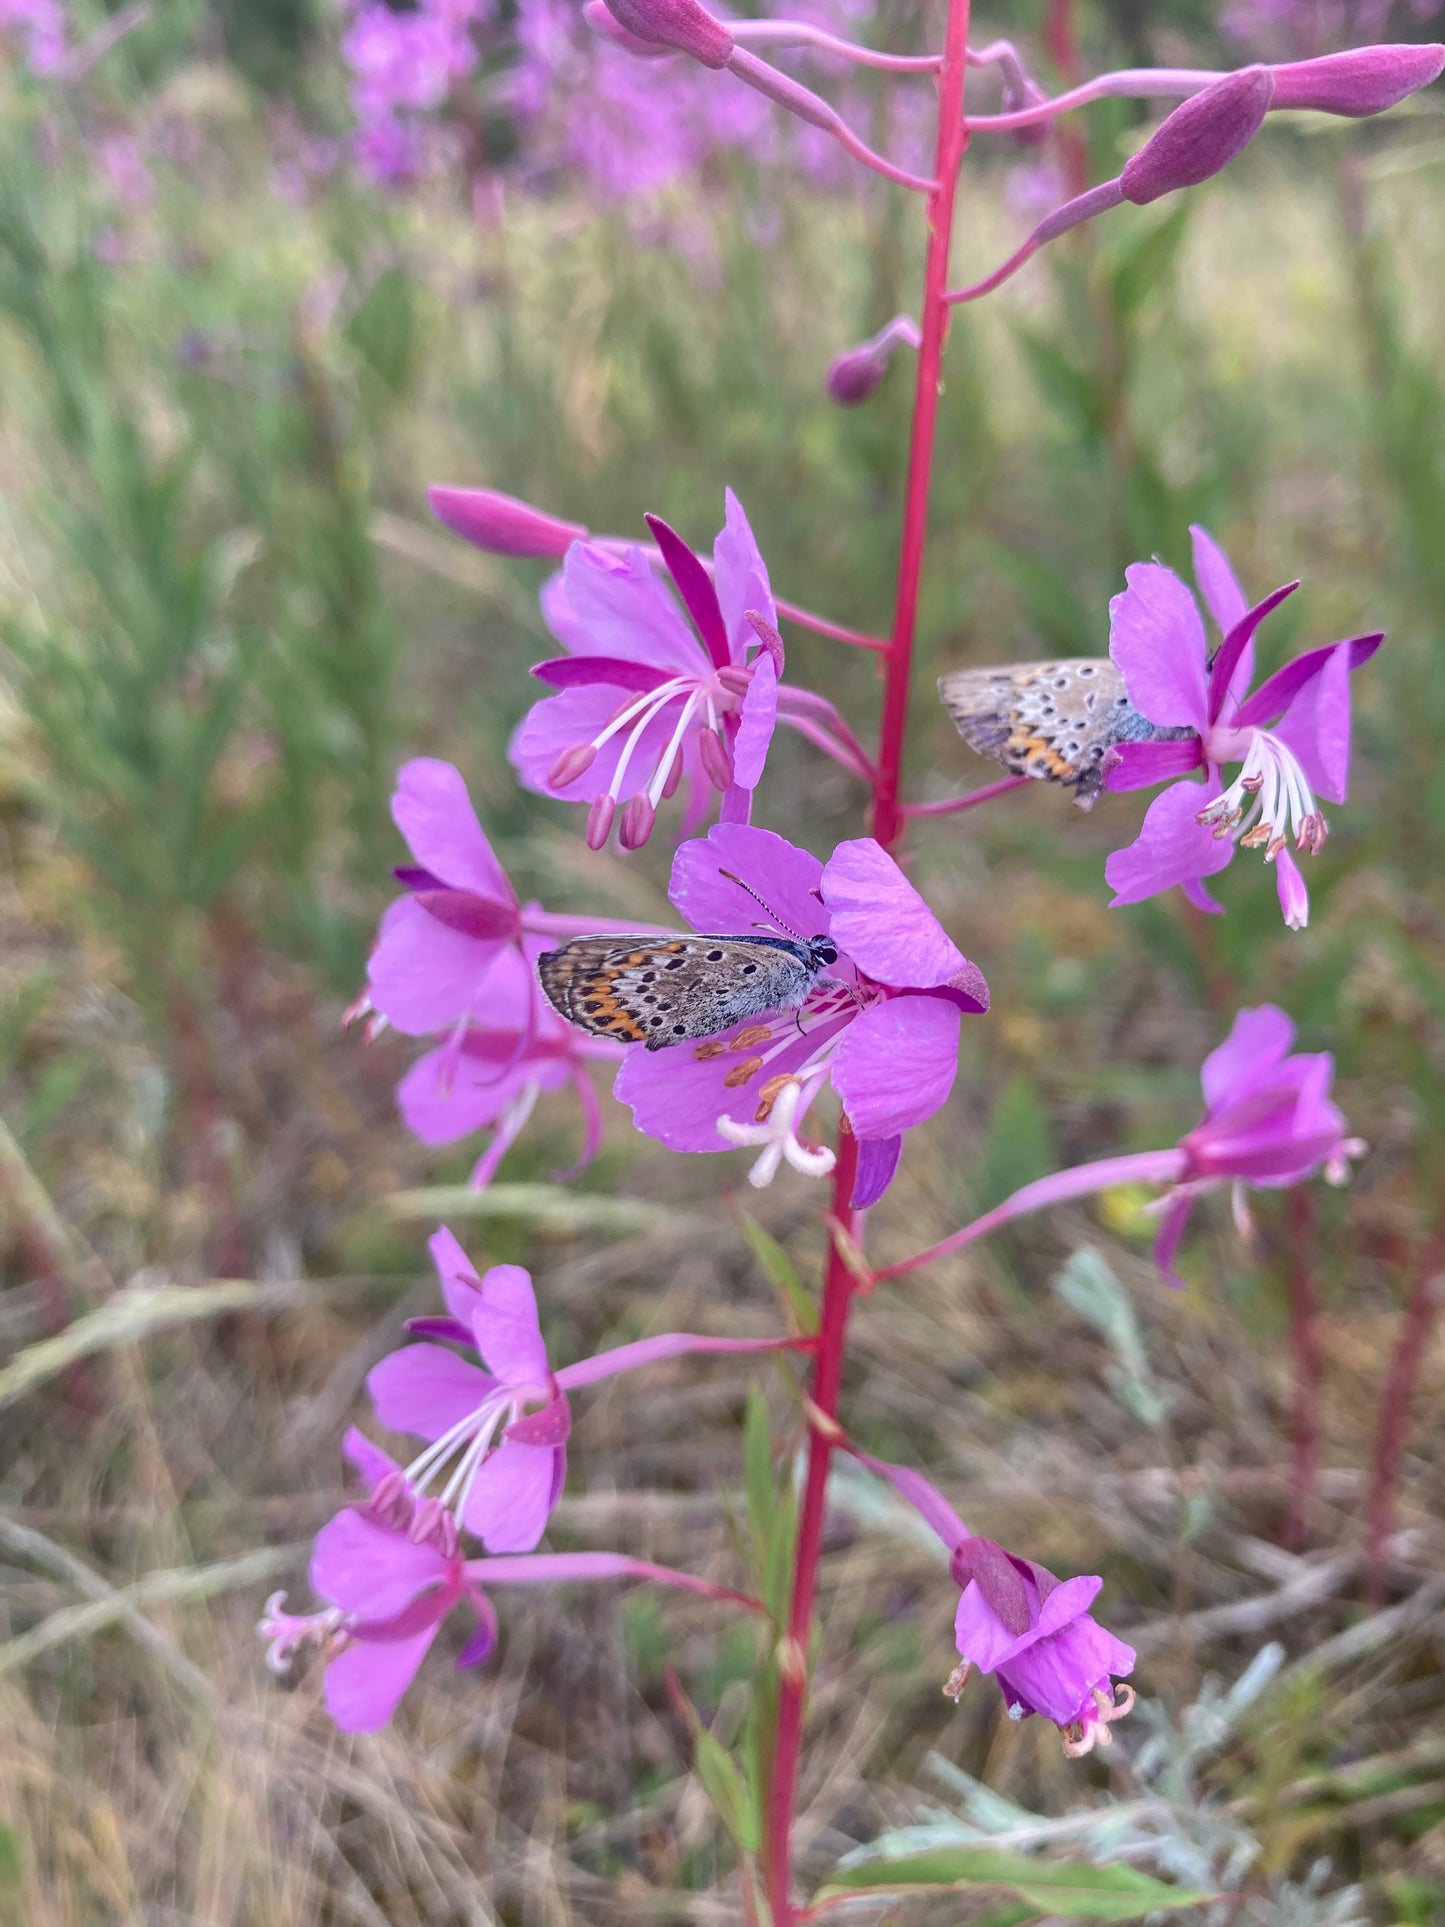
x=733, y=878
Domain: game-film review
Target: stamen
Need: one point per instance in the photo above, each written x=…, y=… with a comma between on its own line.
x=714, y=1047
x=740, y=1073
x=1269, y=799
x=670, y=754
x=953, y=1686
x=750, y=1038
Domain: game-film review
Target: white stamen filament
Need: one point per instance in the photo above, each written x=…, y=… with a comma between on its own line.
x=664, y=762
x=1268, y=800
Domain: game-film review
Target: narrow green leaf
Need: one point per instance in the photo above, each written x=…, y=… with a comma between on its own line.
x=760, y=1479
x=1146, y=259
x=1062, y=1889
x=778, y=1266
x=728, y=1791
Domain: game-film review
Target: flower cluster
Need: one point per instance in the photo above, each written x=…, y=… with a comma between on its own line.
x=404, y=66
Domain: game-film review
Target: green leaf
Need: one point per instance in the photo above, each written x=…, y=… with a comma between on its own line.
x=1145, y=259
x=1072, y=390
x=760, y=1477
x=1061, y=1889
x=798, y=1307
x=383, y=330
x=728, y=1791
x=1018, y=1148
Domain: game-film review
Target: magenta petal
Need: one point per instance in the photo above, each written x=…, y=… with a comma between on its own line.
x=979, y=1634
x=369, y=1460
x=1056, y=1675
x=483, y=1640
x=878, y=919
x=877, y=1167
x=364, y=1684
x=1317, y=728
x=459, y=1281
x=1223, y=597
x=423, y=974
x=1166, y=1243
x=1196, y=894
x=441, y=1109
x=368, y=1569
x=565, y=672
x=1258, y=1042
x=580, y=715
x=621, y=608
x=695, y=586
x=1224, y=674
x=1170, y=848
x=678, y=1098
x=896, y=1064
x=757, y=718
x=550, y=1425
x=1278, y=693
x=742, y=579
x=784, y=876
x=434, y=813
x=426, y=1390
x=1156, y=640
x=510, y=1499
x=509, y=1336
x=1138, y=766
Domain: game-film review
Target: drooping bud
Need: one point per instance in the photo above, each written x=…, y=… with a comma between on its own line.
x=1200, y=137
x=683, y=24
x=716, y=762
x=599, y=820
x=855, y=374
x=571, y=764
x=502, y=524
x=638, y=817
x=599, y=18
x=1018, y=96
x=1363, y=80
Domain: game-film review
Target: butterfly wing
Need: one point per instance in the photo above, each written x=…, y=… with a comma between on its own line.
x=1051, y=720
x=662, y=991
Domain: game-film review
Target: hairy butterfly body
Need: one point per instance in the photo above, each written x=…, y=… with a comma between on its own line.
x=666, y=990
x=1052, y=720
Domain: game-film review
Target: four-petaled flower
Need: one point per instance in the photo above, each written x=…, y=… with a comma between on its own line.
x=882, y=1026
x=1290, y=736
x=646, y=699
x=1268, y=1121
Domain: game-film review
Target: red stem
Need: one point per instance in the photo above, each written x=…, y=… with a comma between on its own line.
x=838, y=1288
x=1304, y=1338
x=952, y=141
x=1415, y=1321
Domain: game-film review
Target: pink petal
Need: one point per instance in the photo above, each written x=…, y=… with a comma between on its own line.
x=434, y=813
x=578, y=716
x=1156, y=640
x=364, y=1685
x=742, y=579
x=1280, y=691
x=896, y=1064
x=1224, y=679
x=459, y=1281
x=368, y=1569
x=784, y=876
x=1166, y=1243
x=509, y=1336
x=367, y=1459
x=1138, y=766
x=1170, y=848
x=568, y=672
x=880, y=922
x=440, y=1109
x=1196, y=893
x=695, y=586
x=1258, y=1042
x=1317, y=728
x=758, y=717
x=423, y=975
x=678, y=1098
x=510, y=1500
x=616, y=606
x=1223, y=597
x=1067, y=1602
x=878, y=1159
x=425, y=1389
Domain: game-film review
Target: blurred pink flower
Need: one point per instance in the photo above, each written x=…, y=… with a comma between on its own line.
x=41, y=25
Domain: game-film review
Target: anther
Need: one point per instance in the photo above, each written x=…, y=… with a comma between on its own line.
x=953, y=1686
x=750, y=1038
x=740, y=1073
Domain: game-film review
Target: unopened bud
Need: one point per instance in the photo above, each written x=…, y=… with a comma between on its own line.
x=683, y=24
x=1200, y=137
x=599, y=820
x=1016, y=98
x=857, y=372
x=599, y=18
x=571, y=764
x=1364, y=80
x=716, y=762
x=502, y=524
x=638, y=817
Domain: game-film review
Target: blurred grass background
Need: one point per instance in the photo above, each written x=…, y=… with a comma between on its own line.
x=226, y=619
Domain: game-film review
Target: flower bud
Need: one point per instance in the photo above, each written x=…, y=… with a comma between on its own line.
x=715, y=759
x=599, y=18
x=571, y=764
x=638, y=817
x=683, y=24
x=1364, y=80
x=599, y=820
x=1200, y=137
x=1017, y=97
x=855, y=374
x=502, y=524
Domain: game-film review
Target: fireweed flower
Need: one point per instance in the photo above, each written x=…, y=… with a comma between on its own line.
x=882, y=1027
x=41, y=26
x=455, y=958
x=1268, y=1121
x=403, y=67
x=1290, y=736
x=1032, y=1631
x=646, y=700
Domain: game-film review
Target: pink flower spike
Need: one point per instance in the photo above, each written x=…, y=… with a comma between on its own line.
x=1360, y=81
x=1201, y=137
x=501, y=524
x=685, y=25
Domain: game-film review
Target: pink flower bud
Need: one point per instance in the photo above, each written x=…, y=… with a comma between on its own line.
x=683, y=24
x=1200, y=137
x=1027, y=93
x=715, y=759
x=502, y=524
x=735, y=678
x=600, y=20
x=599, y=820
x=638, y=817
x=1365, y=80
x=855, y=374
x=571, y=764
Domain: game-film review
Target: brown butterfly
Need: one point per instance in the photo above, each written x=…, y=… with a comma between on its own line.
x=1052, y=720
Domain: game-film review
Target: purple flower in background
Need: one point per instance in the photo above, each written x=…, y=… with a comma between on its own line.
x=403, y=66
x=1290, y=736
x=1268, y=1121
x=883, y=1027
x=391, y=1570
x=1033, y=1632
x=455, y=957
x=41, y=24
x=646, y=698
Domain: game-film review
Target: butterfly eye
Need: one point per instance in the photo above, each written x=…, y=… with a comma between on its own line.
x=825, y=951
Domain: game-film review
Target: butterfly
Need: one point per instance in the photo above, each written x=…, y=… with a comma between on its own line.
x=660, y=991
x=1054, y=720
